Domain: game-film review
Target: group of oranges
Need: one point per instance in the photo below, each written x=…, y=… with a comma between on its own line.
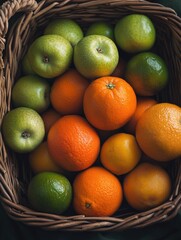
x=106, y=142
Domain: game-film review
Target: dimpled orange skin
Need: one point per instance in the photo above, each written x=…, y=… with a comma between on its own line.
x=73, y=143
x=158, y=132
x=109, y=102
x=147, y=186
x=97, y=192
x=67, y=92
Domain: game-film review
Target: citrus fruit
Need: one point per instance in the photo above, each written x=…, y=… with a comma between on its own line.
x=135, y=33
x=101, y=28
x=158, y=132
x=120, y=153
x=67, y=92
x=109, y=102
x=67, y=28
x=73, y=143
x=41, y=161
x=49, y=118
x=50, y=192
x=147, y=186
x=143, y=103
x=147, y=73
x=97, y=192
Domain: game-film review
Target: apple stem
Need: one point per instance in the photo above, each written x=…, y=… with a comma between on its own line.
x=99, y=50
x=45, y=59
x=110, y=85
x=25, y=134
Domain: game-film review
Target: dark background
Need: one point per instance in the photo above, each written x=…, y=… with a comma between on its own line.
x=170, y=230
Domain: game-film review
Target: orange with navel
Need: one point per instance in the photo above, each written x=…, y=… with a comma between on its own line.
x=97, y=192
x=73, y=143
x=109, y=102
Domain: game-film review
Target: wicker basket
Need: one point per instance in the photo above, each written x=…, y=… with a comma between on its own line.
x=20, y=22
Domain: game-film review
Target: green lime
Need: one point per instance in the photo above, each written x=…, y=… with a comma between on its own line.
x=101, y=28
x=147, y=73
x=135, y=33
x=50, y=192
x=66, y=28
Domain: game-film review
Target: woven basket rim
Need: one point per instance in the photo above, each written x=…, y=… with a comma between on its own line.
x=32, y=11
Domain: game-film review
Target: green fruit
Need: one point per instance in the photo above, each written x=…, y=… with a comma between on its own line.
x=50, y=192
x=101, y=28
x=96, y=56
x=147, y=73
x=26, y=66
x=66, y=28
x=31, y=91
x=135, y=33
x=23, y=129
x=50, y=55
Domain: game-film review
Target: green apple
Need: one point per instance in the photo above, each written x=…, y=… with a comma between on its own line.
x=23, y=129
x=31, y=91
x=26, y=66
x=66, y=28
x=96, y=56
x=50, y=55
x=101, y=28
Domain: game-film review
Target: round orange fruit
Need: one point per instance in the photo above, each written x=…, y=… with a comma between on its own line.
x=41, y=161
x=73, y=143
x=67, y=92
x=158, y=132
x=109, y=102
x=49, y=118
x=147, y=186
x=97, y=192
x=120, y=153
x=143, y=103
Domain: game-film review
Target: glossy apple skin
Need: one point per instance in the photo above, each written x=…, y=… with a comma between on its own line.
x=23, y=129
x=31, y=91
x=96, y=56
x=50, y=55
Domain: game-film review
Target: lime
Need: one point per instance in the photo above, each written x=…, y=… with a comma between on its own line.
x=101, y=28
x=135, y=33
x=66, y=28
x=147, y=73
x=50, y=192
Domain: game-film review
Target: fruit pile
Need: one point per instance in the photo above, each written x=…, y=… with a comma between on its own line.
x=85, y=112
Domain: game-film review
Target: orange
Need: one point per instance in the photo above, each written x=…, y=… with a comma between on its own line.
x=50, y=192
x=143, y=103
x=158, y=132
x=49, y=118
x=73, y=143
x=147, y=186
x=41, y=161
x=109, y=102
x=67, y=92
x=97, y=192
x=120, y=153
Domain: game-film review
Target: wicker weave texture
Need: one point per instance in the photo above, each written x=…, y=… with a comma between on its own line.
x=21, y=21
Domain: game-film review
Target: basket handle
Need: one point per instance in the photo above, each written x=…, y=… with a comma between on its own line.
x=7, y=10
